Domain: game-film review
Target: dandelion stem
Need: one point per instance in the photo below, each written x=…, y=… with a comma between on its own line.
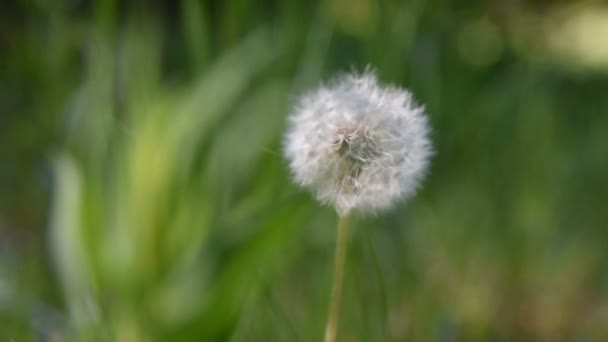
x=336, y=292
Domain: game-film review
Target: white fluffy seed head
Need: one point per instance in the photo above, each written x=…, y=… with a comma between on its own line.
x=357, y=145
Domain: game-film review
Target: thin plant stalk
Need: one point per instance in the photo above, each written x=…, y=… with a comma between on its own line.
x=336, y=293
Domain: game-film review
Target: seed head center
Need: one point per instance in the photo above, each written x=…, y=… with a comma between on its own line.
x=356, y=148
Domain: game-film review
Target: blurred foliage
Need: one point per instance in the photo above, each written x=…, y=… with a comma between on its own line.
x=143, y=195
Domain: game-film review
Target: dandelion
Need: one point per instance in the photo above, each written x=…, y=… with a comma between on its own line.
x=358, y=146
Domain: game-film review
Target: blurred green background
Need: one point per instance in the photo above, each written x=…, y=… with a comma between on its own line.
x=144, y=196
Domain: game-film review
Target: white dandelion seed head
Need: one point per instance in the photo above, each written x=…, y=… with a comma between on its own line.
x=357, y=145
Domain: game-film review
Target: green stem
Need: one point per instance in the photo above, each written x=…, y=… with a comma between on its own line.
x=336, y=292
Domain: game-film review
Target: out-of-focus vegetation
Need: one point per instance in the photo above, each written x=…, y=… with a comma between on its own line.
x=143, y=195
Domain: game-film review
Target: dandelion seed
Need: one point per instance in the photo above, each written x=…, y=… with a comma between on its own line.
x=357, y=145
